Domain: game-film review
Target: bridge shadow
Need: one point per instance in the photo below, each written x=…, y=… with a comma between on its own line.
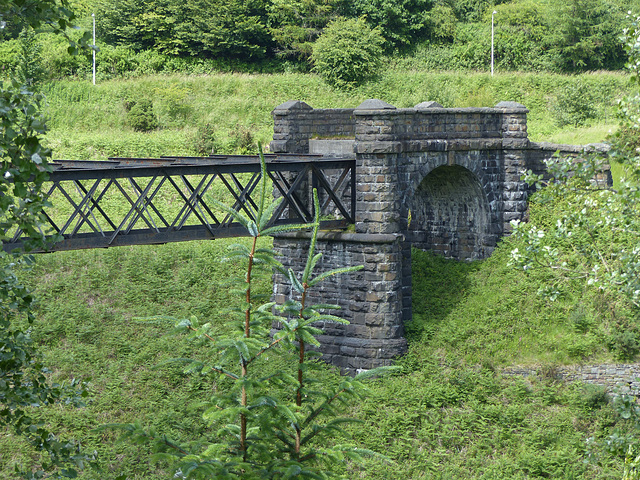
x=439, y=284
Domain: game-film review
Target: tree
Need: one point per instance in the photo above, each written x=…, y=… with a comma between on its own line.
x=347, y=53
x=603, y=261
x=587, y=35
x=296, y=24
x=402, y=23
x=209, y=28
x=24, y=166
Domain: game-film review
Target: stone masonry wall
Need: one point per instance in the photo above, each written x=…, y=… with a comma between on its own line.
x=539, y=152
x=616, y=378
x=370, y=299
x=296, y=122
x=396, y=148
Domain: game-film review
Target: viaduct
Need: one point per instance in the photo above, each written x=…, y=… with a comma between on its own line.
x=439, y=179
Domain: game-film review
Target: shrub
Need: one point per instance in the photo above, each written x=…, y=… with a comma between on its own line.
x=150, y=62
x=574, y=105
x=204, y=141
x=115, y=61
x=140, y=115
x=443, y=23
x=29, y=68
x=57, y=62
x=401, y=23
x=9, y=51
x=242, y=140
x=347, y=53
x=624, y=344
x=172, y=104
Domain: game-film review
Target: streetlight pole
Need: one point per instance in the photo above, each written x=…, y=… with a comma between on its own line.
x=494, y=12
x=93, y=15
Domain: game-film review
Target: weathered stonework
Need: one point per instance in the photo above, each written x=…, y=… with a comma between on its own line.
x=615, y=378
x=442, y=179
x=370, y=299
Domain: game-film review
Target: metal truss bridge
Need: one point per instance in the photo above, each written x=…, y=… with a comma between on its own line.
x=136, y=201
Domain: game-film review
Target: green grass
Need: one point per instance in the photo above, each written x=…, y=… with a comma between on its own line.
x=582, y=135
x=449, y=414
x=493, y=315
x=88, y=328
x=89, y=122
x=461, y=423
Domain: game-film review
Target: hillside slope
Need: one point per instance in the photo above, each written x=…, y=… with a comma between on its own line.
x=449, y=414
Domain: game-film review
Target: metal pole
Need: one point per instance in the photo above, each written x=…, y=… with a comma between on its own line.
x=494, y=12
x=93, y=15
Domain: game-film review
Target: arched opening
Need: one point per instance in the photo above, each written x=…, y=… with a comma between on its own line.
x=450, y=215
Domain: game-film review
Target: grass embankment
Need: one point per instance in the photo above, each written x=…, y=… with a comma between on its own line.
x=449, y=415
x=89, y=122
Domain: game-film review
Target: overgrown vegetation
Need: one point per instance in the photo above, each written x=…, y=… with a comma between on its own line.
x=88, y=122
x=451, y=413
x=450, y=396
x=347, y=53
x=470, y=319
x=593, y=243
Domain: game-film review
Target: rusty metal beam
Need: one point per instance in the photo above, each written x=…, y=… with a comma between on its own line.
x=88, y=191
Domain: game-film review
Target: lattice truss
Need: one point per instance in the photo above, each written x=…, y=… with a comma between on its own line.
x=148, y=201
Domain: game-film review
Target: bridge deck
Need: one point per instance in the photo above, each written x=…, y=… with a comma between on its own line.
x=134, y=201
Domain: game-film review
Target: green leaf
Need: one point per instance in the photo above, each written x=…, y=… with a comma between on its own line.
x=295, y=283
x=286, y=228
x=264, y=218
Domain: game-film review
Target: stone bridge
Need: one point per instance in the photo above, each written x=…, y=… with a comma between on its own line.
x=440, y=179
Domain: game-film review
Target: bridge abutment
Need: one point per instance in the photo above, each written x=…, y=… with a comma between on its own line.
x=370, y=299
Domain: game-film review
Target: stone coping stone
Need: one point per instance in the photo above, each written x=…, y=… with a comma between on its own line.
x=429, y=104
x=506, y=105
x=291, y=105
x=441, y=111
x=375, y=104
x=333, y=110
x=328, y=236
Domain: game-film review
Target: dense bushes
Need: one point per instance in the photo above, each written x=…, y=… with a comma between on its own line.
x=575, y=105
x=259, y=35
x=402, y=23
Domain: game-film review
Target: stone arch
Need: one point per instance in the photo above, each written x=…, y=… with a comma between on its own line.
x=451, y=214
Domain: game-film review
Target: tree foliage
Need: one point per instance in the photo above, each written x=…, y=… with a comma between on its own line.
x=588, y=35
x=594, y=241
x=209, y=28
x=24, y=167
x=402, y=23
x=573, y=36
x=347, y=53
x=296, y=24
